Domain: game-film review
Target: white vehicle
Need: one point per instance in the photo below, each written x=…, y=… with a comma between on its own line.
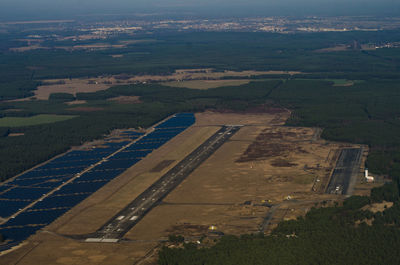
x=133, y=218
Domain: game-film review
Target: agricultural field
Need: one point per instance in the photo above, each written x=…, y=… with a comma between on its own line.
x=34, y=120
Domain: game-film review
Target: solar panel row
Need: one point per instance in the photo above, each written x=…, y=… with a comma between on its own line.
x=99, y=175
x=24, y=219
x=4, y=188
x=27, y=193
x=9, y=207
x=32, y=185
x=19, y=234
x=66, y=201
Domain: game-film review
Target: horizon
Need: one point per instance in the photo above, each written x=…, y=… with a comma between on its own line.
x=22, y=10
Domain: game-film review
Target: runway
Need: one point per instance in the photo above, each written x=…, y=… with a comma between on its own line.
x=346, y=169
x=121, y=223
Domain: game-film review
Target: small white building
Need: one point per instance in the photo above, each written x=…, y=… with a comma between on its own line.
x=367, y=177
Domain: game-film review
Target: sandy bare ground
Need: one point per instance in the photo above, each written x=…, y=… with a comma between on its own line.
x=71, y=86
x=77, y=85
x=76, y=102
x=378, y=207
x=224, y=191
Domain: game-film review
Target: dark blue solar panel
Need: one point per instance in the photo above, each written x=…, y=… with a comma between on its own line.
x=8, y=208
x=131, y=154
x=113, y=164
x=163, y=134
x=92, y=154
x=144, y=146
x=38, y=217
x=119, y=145
x=62, y=171
x=147, y=140
x=4, y=188
x=27, y=182
x=50, y=184
x=33, y=174
x=179, y=120
x=59, y=170
x=44, y=181
x=19, y=234
x=25, y=193
x=80, y=187
x=98, y=175
x=68, y=164
x=68, y=201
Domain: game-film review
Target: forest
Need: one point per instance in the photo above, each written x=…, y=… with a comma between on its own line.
x=365, y=111
x=42, y=142
x=21, y=72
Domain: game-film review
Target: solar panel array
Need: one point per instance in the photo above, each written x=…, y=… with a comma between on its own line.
x=26, y=189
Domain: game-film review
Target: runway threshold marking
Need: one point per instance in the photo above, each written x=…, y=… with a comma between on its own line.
x=117, y=227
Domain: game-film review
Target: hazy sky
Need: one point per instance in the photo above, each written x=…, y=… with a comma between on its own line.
x=26, y=9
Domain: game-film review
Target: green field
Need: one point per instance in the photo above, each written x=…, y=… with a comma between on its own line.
x=34, y=120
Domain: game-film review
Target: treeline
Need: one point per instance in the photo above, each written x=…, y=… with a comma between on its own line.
x=42, y=142
x=327, y=235
x=61, y=97
x=4, y=132
x=39, y=143
x=365, y=112
x=17, y=89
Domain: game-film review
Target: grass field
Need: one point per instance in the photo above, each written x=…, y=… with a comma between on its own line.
x=34, y=120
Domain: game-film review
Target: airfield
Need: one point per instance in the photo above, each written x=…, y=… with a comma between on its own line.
x=251, y=173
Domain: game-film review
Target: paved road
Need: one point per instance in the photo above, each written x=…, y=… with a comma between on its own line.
x=347, y=168
x=121, y=223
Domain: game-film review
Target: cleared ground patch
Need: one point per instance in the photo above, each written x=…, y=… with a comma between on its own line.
x=202, y=79
x=71, y=86
x=34, y=120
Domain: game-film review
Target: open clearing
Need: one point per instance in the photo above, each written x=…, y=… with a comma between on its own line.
x=34, y=120
x=264, y=174
x=206, y=78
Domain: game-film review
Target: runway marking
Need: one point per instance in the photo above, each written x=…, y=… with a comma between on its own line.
x=117, y=227
x=346, y=169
